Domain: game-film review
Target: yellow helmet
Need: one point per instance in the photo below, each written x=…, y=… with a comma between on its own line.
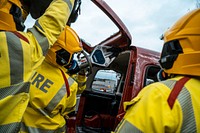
x=68, y=43
x=181, y=50
x=13, y=13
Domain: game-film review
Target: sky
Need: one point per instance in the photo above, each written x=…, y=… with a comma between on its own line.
x=146, y=20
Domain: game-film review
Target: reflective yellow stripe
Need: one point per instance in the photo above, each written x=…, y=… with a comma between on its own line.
x=184, y=99
x=41, y=38
x=15, y=57
x=126, y=127
x=37, y=130
x=10, y=128
x=13, y=90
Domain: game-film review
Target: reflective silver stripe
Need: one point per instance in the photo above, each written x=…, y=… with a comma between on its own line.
x=10, y=128
x=44, y=112
x=16, y=58
x=189, y=125
x=184, y=99
x=69, y=4
x=41, y=38
x=15, y=89
x=38, y=25
x=56, y=99
x=70, y=81
x=169, y=83
x=38, y=130
x=127, y=127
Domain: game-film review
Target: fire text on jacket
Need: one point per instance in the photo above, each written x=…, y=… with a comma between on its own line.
x=40, y=82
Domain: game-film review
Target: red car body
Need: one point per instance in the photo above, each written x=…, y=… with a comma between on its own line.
x=101, y=111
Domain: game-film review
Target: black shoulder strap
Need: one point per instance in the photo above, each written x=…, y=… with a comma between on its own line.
x=176, y=90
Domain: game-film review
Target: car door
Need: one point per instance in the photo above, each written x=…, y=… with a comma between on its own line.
x=109, y=31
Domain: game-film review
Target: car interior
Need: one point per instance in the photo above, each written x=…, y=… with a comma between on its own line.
x=101, y=106
x=101, y=100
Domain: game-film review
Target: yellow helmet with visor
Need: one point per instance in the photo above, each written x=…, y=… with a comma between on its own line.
x=181, y=50
x=68, y=43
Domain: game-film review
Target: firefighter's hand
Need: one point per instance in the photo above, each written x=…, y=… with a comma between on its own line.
x=82, y=72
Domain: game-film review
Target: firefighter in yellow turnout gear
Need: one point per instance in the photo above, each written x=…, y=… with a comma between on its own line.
x=171, y=105
x=52, y=98
x=22, y=52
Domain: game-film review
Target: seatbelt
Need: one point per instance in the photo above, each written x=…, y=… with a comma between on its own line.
x=176, y=90
x=66, y=83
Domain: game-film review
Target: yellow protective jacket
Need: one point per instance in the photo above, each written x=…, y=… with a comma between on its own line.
x=150, y=112
x=49, y=101
x=20, y=54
